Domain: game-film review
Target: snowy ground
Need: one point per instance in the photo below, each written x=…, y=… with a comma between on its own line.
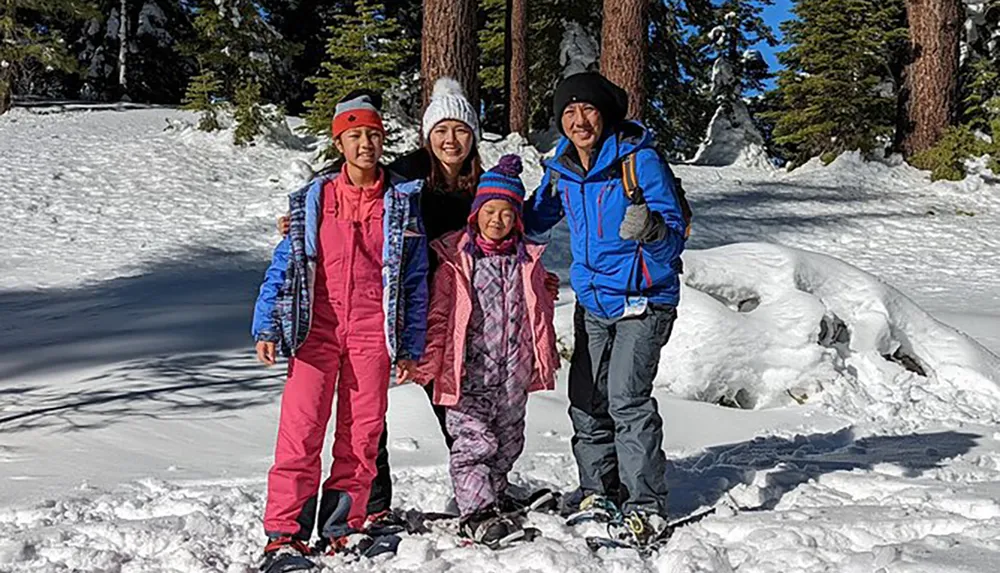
x=135, y=429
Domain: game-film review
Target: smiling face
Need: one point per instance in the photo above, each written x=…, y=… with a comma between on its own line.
x=451, y=142
x=361, y=147
x=496, y=219
x=582, y=123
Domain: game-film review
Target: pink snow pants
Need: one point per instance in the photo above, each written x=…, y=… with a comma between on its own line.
x=344, y=356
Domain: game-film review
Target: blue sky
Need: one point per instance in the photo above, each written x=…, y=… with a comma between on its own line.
x=775, y=15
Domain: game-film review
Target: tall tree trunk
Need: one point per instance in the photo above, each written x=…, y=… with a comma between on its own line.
x=448, y=46
x=932, y=76
x=6, y=86
x=7, y=71
x=123, y=48
x=517, y=64
x=623, y=49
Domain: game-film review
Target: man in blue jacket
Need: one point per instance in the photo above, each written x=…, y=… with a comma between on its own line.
x=626, y=260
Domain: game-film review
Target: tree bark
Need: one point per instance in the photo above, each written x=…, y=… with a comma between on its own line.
x=449, y=48
x=123, y=48
x=517, y=63
x=624, y=40
x=7, y=72
x=6, y=86
x=932, y=76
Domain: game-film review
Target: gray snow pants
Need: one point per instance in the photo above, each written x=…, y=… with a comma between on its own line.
x=618, y=432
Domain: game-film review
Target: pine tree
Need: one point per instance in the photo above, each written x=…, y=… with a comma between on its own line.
x=201, y=97
x=740, y=26
x=365, y=50
x=250, y=117
x=28, y=38
x=732, y=134
x=678, y=71
x=836, y=92
x=156, y=70
x=492, y=67
x=548, y=21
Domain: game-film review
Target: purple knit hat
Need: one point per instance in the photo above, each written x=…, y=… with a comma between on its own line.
x=502, y=182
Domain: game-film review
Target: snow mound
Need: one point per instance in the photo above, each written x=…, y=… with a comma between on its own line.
x=732, y=139
x=762, y=326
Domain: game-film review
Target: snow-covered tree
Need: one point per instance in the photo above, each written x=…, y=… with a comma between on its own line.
x=155, y=70
x=732, y=136
x=29, y=37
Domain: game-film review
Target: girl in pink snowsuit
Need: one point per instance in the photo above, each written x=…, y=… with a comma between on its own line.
x=490, y=341
x=346, y=296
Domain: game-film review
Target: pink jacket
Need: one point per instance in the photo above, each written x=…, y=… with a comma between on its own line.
x=451, y=310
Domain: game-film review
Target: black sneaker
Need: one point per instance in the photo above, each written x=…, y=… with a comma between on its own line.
x=490, y=528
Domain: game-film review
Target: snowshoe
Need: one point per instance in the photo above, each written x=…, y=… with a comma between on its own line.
x=643, y=533
x=638, y=528
x=542, y=500
x=384, y=523
x=360, y=545
x=595, y=507
x=284, y=554
x=492, y=529
x=417, y=522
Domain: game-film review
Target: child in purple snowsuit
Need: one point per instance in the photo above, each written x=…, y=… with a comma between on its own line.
x=490, y=340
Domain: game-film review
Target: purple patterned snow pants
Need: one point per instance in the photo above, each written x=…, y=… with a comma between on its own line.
x=488, y=421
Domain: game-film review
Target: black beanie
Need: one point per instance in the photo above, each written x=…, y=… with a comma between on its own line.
x=592, y=88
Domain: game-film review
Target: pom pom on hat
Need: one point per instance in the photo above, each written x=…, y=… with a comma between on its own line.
x=502, y=182
x=448, y=101
x=447, y=87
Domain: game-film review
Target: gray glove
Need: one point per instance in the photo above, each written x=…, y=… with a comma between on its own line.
x=642, y=225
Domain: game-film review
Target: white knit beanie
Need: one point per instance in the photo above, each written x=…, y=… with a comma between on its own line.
x=448, y=102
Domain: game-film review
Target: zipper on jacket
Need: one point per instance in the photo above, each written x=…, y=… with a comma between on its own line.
x=600, y=199
x=569, y=208
x=586, y=228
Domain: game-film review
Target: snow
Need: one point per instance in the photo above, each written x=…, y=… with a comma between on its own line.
x=136, y=430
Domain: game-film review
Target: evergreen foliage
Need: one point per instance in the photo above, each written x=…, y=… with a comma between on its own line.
x=239, y=46
x=546, y=28
x=367, y=50
x=946, y=160
x=250, y=116
x=31, y=40
x=836, y=92
x=679, y=102
x=200, y=97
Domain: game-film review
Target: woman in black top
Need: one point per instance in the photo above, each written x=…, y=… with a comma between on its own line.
x=449, y=163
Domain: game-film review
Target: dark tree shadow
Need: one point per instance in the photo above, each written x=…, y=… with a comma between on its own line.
x=176, y=339
x=188, y=387
x=705, y=478
x=201, y=301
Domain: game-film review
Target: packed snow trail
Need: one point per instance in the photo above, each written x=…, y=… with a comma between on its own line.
x=136, y=430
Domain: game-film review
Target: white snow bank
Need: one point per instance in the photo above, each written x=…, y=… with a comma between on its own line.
x=762, y=325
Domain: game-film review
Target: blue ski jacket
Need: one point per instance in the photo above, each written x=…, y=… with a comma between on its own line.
x=607, y=270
